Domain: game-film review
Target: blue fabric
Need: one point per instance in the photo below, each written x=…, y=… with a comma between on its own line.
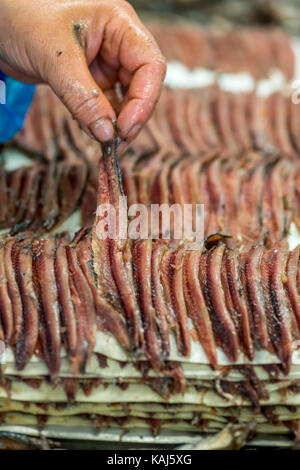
x=18, y=97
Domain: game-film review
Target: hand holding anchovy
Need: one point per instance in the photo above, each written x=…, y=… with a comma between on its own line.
x=82, y=48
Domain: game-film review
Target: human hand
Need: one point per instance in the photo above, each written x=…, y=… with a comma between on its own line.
x=82, y=48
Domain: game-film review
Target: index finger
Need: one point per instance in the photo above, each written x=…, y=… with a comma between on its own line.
x=140, y=56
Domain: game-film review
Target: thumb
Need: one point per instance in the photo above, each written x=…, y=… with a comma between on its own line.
x=73, y=83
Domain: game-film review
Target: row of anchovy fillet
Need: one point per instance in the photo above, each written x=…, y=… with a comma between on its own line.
x=236, y=153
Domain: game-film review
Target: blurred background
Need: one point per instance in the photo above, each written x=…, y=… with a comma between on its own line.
x=284, y=13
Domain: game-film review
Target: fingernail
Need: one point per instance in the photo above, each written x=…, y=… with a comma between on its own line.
x=134, y=131
x=102, y=130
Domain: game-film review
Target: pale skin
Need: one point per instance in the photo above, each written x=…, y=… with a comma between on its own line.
x=82, y=48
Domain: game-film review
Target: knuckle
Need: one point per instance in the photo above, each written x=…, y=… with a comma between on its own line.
x=85, y=107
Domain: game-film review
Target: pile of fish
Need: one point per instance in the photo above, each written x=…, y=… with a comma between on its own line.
x=146, y=340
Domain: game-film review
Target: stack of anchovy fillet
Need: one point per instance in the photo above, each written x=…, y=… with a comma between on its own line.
x=145, y=340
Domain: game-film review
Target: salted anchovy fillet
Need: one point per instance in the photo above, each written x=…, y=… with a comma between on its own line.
x=10, y=323
x=177, y=298
x=12, y=288
x=44, y=274
x=192, y=110
x=161, y=309
x=223, y=322
x=167, y=295
x=252, y=287
x=239, y=317
x=277, y=306
x=231, y=188
x=120, y=266
x=13, y=199
x=72, y=184
x=216, y=195
x=49, y=195
x=221, y=114
x=67, y=309
x=28, y=199
x=107, y=317
x=22, y=283
x=175, y=110
x=100, y=250
x=196, y=306
x=292, y=286
x=239, y=303
x=239, y=125
x=142, y=251
x=85, y=309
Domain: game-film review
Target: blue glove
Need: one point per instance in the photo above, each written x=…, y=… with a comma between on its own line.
x=17, y=97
